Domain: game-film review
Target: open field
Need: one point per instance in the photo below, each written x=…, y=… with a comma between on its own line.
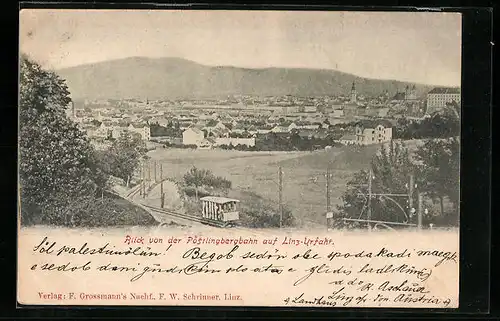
x=304, y=184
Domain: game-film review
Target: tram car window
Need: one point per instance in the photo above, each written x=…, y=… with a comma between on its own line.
x=219, y=210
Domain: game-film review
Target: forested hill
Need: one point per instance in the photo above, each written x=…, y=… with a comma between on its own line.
x=170, y=78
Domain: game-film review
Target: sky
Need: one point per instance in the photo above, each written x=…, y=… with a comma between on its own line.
x=423, y=47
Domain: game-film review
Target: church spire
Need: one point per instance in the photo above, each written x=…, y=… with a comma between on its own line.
x=353, y=93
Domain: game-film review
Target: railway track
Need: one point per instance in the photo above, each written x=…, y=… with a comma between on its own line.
x=197, y=219
x=188, y=217
x=133, y=192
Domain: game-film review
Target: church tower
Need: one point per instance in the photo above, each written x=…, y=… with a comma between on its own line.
x=353, y=93
x=413, y=92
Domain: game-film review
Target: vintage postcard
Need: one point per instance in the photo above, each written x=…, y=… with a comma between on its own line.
x=239, y=158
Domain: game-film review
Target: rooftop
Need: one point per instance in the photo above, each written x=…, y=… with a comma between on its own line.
x=369, y=123
x=194, y=129
x=444, y=90
x=218, y=200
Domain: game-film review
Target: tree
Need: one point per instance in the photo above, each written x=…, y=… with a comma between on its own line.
x=391, y=169
x=439, y=170
x=57, y=163
x=442, y=124
x=123, y=156
x=203, y=177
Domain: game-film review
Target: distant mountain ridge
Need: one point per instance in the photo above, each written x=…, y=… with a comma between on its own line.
x=176, y=78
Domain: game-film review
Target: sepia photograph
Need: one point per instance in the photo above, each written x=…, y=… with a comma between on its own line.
x=317, y=152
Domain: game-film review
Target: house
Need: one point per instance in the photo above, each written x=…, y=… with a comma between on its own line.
x=118, y=129
x=142, y=129
x=192, y=136
x=280, y=129
x=235, y=141
x=216, y=128
x=292, y=126
x=337, y=113
x=348, y=140
x=264, y=129
x=373, y=132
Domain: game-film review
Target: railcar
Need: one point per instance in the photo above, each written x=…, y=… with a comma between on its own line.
x=219, y=211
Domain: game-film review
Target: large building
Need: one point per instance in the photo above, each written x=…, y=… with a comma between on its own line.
x=193, y=136
x=368, y=133
x=439, y=97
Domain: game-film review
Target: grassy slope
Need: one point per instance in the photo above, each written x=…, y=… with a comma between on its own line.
x=125, y=213
x=257, y=172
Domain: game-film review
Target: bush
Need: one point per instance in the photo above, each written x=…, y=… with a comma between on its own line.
x=192, y=206
x=257, y=212
x=182, y=146
x=266, y=217
x=198, y=178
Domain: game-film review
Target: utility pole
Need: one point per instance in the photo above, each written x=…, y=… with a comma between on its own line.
x=142, y=175
x=370, y=199
x=149, y=172
x=328, y=219
x=328, y=189
x=144, y=181
x=154, y=170
x=410, y=195
x=420, y=209
x=161, y=186
x=162, y=196
x=280, y=175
